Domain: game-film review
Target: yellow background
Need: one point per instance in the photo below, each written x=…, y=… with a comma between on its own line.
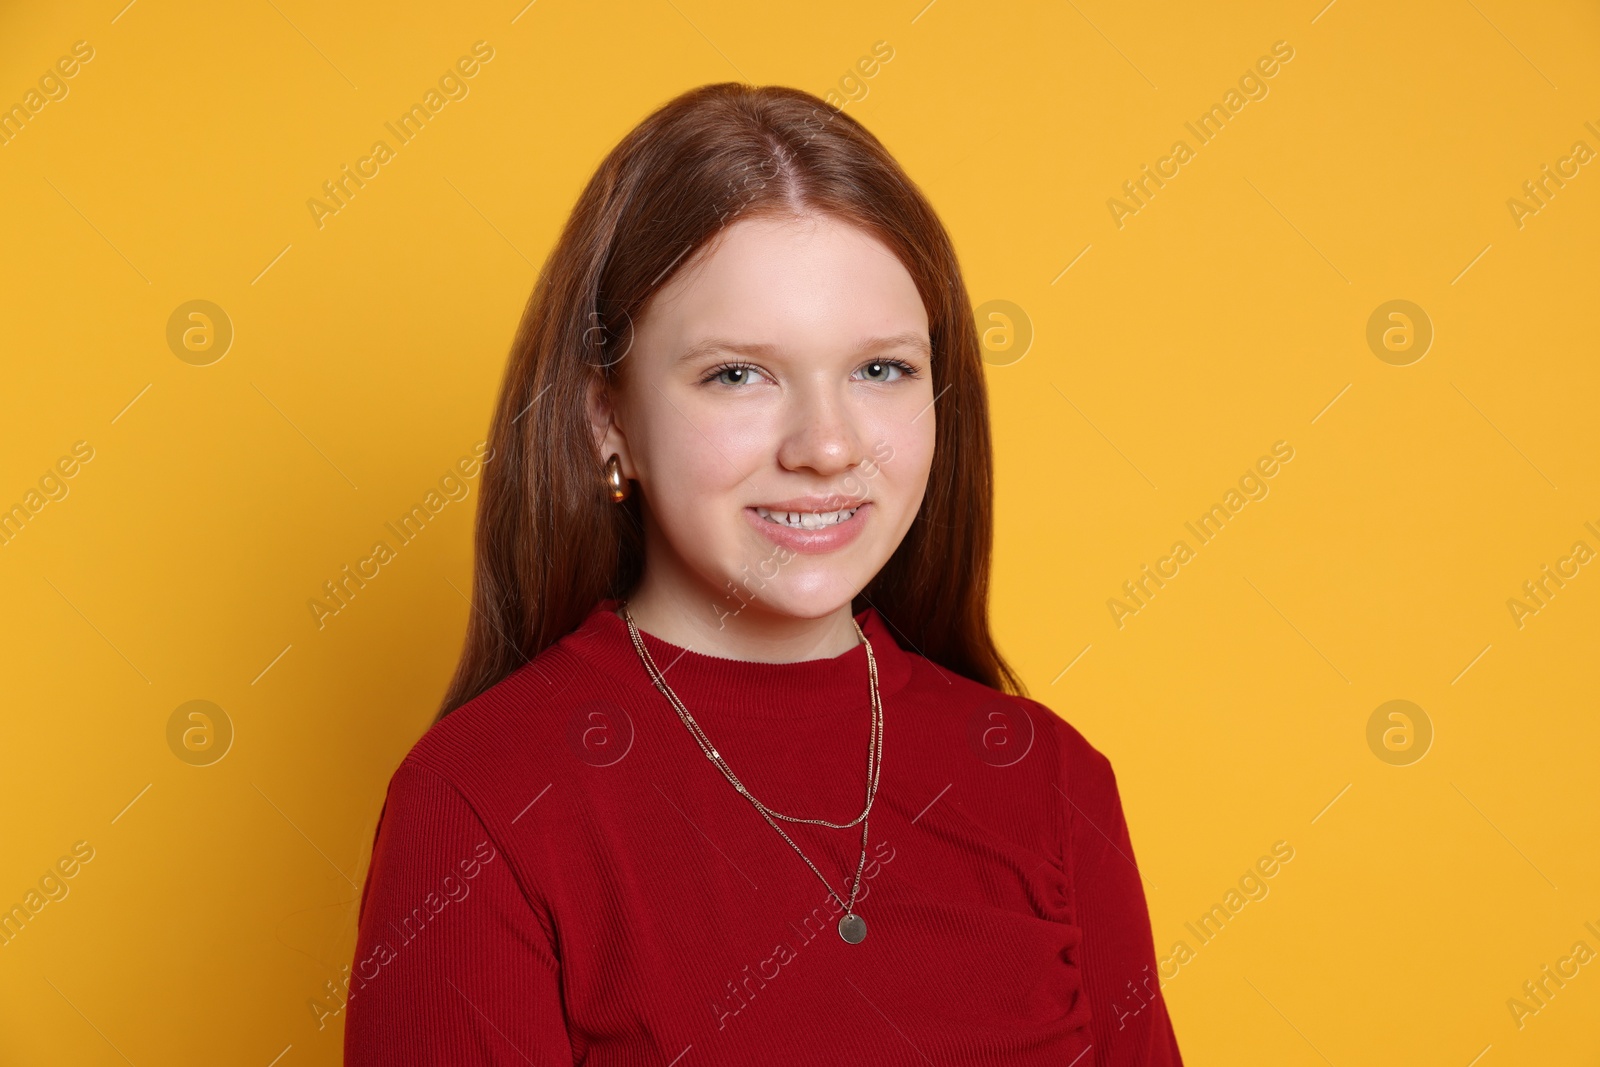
x=1229, y=313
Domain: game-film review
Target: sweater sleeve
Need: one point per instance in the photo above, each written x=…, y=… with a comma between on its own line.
x=1129, y=1022
x=453, y=964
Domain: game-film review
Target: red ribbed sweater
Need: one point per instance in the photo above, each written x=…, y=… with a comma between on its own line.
x=561, y=876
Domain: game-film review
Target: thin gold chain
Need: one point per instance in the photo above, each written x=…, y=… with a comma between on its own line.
x=874, y=758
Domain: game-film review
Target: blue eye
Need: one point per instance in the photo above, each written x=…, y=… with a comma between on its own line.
x=906, y=370
x=740, y=371
x=737, y=374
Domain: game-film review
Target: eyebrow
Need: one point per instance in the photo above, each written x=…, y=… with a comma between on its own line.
x=867, y=347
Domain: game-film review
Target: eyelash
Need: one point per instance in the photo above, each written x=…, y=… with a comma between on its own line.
x=906, y=369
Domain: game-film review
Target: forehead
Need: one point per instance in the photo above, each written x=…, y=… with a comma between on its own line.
x=768, y=279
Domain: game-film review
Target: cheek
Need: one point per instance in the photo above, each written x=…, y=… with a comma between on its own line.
x=902, y=450
x=695, y=467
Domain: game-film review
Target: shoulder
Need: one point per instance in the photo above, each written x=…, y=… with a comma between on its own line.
x=1003, y=726
x=1082, y=772
x=489, y=749
x=1085, y=770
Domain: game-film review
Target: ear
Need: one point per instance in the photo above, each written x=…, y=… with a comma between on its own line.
x=608, y=436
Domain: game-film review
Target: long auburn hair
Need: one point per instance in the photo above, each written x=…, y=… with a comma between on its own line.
x=550, y=543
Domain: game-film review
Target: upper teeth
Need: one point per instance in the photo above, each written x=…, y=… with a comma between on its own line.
x=806, y=520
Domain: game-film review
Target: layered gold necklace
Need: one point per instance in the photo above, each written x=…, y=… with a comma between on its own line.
x=851, y=926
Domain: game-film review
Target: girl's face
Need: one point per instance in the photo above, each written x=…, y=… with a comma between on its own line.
x=776, y=411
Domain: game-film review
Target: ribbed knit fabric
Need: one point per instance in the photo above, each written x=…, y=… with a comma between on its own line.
x=561, y=876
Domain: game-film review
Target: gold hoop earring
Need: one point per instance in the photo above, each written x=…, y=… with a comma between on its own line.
x=615, y=482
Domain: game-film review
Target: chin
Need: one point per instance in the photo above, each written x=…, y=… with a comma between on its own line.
x=815, y=596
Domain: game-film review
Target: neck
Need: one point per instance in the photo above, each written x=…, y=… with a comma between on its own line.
x=750, y=630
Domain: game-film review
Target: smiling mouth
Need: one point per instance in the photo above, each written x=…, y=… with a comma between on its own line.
x=806, y=520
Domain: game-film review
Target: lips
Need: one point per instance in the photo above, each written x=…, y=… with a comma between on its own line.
x=806, y=520
x=809, y=530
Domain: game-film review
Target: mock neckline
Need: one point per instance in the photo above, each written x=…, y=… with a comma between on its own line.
x=802, y=689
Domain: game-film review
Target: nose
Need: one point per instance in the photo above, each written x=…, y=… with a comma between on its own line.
x=821, y=431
